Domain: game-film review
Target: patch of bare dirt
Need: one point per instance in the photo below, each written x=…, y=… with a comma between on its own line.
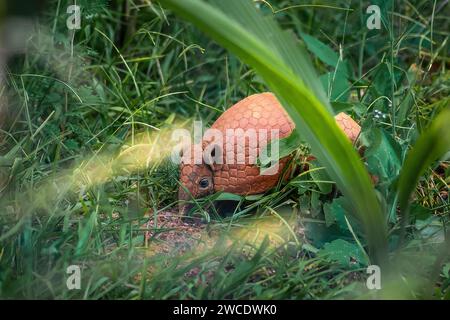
x=169, y=233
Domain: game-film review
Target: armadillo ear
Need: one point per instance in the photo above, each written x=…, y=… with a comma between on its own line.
x=212, y=155
x=186, y=153
x=209, y=159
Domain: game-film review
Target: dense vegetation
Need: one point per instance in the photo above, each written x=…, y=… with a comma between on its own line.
x=84, y=173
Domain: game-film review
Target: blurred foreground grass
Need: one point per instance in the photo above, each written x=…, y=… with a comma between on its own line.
x=76, y=105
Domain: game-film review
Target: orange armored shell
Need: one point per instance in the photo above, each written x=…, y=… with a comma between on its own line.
x=257, y=113
x=348, y=125
x=255, y=116
x=243, y=130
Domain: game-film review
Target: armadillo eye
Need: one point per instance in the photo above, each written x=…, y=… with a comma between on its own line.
x=204, y=183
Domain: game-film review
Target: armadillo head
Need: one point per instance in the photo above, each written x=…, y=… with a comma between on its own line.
x=196, y=180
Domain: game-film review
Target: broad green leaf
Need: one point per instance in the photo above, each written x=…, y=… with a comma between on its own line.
x=340, y=106
x=316, y=204
x=318, y=234
x=345, y=253
x=337, y=86
x=420, y=212
x=321, y=50
x=383, y=155
x=446, y=270
x=408, y=102
x=254, y=197
x=225, y=196
x=431, y=229
x=433, y=144
x=335, y=213
x=286, y=146
x=381, y=86
x=85, y=232
x=284, y=65
x=321, y=177
x=336, y=83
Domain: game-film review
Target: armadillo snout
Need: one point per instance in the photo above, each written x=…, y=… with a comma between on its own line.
x=196, y=182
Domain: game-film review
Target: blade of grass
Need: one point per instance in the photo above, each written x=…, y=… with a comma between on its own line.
x=432, y=144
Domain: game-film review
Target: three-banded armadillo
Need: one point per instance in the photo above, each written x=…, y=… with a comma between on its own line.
x=258, y=112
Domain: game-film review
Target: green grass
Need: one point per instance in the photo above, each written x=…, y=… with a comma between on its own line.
x=78, y=101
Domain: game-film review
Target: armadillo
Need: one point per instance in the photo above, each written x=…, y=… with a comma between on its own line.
x=258, y=111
